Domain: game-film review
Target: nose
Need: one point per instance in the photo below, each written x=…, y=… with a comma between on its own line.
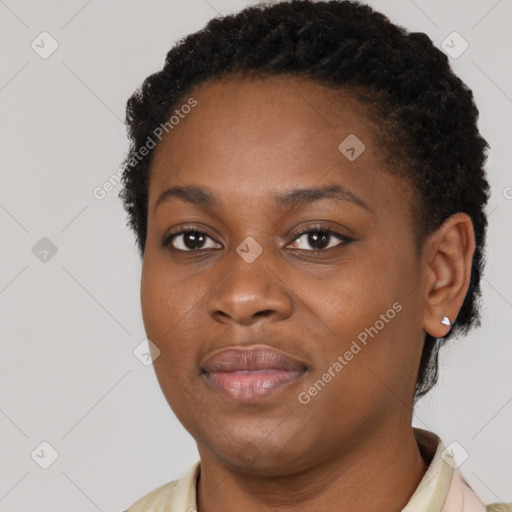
x=250, y=293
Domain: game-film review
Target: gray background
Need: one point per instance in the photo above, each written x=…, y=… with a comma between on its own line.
x=69, y=325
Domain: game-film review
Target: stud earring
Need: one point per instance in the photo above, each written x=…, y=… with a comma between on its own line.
x=446, y=321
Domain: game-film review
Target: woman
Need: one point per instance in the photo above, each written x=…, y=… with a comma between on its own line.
x=306, y=184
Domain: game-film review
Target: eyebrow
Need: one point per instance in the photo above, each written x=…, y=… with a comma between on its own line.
x=290, y=199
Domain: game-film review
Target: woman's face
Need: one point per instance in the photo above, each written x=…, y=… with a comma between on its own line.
x=325, y=326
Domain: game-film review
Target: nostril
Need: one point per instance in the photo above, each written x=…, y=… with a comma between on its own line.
x=265, y=312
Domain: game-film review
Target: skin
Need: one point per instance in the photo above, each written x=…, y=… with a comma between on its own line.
x=246, y=140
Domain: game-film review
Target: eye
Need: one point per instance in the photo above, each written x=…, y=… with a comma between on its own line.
x=188, y=240
x=320, y=238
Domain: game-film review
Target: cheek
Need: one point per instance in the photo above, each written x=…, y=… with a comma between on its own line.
x=161, y=312
x=154, y=300
x=354, y=296
x=164, y=299
x=367, y=313
x=171, y=310
x=161, y=309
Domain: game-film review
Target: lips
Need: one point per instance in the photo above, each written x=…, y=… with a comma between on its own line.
x=248, y=375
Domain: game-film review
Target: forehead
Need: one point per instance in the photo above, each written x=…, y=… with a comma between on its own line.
x=249, y=136
x=277, y=113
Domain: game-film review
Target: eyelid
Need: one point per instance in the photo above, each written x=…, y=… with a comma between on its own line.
x=321, y=228
x=170, y=236
x=316, y=227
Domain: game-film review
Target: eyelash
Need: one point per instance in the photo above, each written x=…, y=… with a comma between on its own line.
x=168, y=239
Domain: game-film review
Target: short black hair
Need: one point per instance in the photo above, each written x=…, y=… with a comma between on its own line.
x=425, y=117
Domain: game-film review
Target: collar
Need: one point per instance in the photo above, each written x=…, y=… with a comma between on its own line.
x=442, y=488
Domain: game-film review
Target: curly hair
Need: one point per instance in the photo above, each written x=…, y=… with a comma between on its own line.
x=424, y=116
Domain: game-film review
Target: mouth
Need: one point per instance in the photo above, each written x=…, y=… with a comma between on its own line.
x=248, y=375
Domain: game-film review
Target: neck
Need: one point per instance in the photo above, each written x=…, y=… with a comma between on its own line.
x=381, y=473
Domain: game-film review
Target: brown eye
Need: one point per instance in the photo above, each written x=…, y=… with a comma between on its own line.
x=188, y=241
x=318, y=239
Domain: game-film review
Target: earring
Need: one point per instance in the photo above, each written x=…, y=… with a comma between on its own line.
x=446, y=321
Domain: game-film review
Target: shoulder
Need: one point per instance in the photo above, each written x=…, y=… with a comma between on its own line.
x=499, y=507
x=177, y=496
x=156, y=500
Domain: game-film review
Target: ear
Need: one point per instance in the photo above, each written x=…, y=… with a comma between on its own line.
x=447, y=258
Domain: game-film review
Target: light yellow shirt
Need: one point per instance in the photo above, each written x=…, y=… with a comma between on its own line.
x=442, y=488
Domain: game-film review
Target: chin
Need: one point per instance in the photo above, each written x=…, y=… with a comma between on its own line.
x=257, y=455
